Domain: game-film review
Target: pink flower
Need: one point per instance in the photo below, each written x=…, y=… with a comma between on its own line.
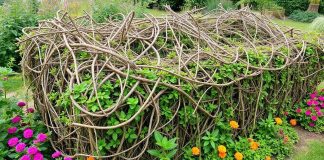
x=12, y=130
x=319, y=113
x=68, y=158
x=25, y=157
x=32, y=150
x=308, y=112
x=317, y=108
x=313, y=95
x=322, y=105
x=16, y=119
x=38, y=156
x=321, y=98
x=298, y=110
x=13, y=141
x=312, y=102
x=20, y=147
x=314, y=118
x=30, y=110
x=21, y=104
x=28, y=133
x=41, y=137
x=56, y=154
x=311, y=124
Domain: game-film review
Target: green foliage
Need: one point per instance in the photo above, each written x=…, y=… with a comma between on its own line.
x=321, y=8
x=219, y=136
x=302, y=16
x=4, y=71
x=215, y=4
x=15, y=15
x=278, y=138
x=195, y=3
x=167, y=148
x=291, y=5
x=318, y=24
x=103, y=10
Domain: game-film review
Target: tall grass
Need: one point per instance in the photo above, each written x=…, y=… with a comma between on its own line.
x=318, y=24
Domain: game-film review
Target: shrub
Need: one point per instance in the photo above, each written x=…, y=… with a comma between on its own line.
x=291, y=5
x=103, y=10
x=16, y=15
x=321, y=8
x=302, y=16
x=318, y=24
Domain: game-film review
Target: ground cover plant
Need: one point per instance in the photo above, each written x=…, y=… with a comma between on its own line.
x=178, y=87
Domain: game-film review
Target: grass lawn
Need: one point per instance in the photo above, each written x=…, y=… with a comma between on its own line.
x=14, y=84
x=315, y=151
x=293, y=24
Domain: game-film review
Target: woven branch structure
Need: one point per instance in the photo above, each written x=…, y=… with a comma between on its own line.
x=95, y=83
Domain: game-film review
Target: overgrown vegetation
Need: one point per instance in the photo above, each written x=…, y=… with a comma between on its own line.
x=14, y=16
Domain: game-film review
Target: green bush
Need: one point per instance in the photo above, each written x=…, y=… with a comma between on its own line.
x=318, y=24
x=15, y=15
x=103, y=10
x=302, y=16
x=321, y=8
x=195, y=3
x=291, y=5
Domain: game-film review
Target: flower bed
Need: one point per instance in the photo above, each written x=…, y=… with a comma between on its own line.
x=309, y=112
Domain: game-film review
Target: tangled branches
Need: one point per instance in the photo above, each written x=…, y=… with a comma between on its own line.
x=103, y=89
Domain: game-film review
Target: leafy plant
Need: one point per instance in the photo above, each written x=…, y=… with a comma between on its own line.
x=15, y=15
x=302, y=16
x=167, y=148
x=292, y=5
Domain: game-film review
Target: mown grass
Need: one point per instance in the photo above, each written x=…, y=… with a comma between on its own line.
x=13, y=84
x=315, y=151
x=293, y=24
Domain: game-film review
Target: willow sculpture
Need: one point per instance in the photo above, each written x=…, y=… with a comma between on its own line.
x=103, y=89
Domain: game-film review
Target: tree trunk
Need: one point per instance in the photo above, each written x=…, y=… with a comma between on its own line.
x=313, y=8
